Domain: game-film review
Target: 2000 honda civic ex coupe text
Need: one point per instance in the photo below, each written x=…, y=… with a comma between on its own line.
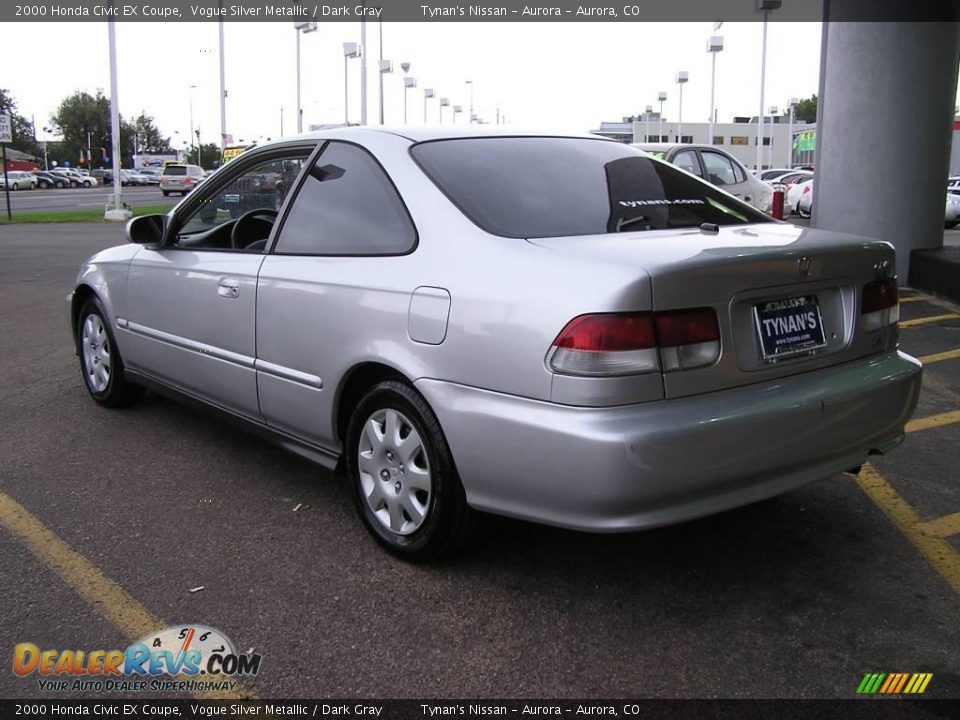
x=561, y=329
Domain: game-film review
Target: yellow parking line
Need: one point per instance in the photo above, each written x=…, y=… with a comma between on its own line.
x=938, y=357
x=944, y=527
x=913, y=298
x=938, y=551
x=925, y=320
x=114, y=603
x=932, y=421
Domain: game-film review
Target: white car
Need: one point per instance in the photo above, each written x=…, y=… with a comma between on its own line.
x=800, y=197
x=76, y=177
x=952, y=216
x=716, y=167
x=20, y=180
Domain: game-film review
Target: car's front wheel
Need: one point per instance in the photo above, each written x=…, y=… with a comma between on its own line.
x=403, y=477
x=100, y=361
x=16, y=186
x=87, y=183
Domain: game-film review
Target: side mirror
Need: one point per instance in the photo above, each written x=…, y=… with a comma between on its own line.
x=146, y=229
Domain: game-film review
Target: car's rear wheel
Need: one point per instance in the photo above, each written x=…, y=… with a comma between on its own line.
x=950, y=225
x=166, y=193
x=16, y=186
x=100, y=361
x=87, y=183
x=403, y=477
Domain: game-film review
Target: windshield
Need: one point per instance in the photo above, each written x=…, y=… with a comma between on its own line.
x=528, y=187
x=175, y=170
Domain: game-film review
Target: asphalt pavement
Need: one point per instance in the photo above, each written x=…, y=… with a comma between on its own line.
x=798, y=596
x=39, y=201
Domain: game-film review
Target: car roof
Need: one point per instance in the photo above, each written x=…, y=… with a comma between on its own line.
x=666, y=147
x=423, y=134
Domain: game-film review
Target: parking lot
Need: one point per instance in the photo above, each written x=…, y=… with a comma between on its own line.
x=108, y=520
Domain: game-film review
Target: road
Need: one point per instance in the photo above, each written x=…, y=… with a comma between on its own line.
x=39, y=201
x=799, y=596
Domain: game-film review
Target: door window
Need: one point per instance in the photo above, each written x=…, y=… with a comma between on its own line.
x=719, y=168
x=687, y=160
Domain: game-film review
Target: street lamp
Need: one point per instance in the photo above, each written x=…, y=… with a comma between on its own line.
x=46, y=165
x=427, y=94
x=773, y=111
x=682, y=78
x=444, y=102
x=350, y=50
x=456, y=109
x=647, y=111
x=793, y=107
x=301, y=27
x=199, y=159
x=408, y=82
x=764, y=6
x=472, y=116
x=662, y=97
x=192, y=88
x=386, y=66
x=714, y=46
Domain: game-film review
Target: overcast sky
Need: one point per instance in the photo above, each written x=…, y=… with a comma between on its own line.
x=556, y=76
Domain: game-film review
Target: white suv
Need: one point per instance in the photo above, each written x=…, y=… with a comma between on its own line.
x=177, y=177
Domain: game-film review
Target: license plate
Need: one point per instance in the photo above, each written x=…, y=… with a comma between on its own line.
x=789, y=327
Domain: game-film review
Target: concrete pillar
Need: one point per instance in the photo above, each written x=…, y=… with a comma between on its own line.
x=884, y=125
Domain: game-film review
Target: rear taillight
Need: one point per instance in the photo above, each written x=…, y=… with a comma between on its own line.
x=630, y=343
x=881, y=304
x=688, y=338
x=806, y=189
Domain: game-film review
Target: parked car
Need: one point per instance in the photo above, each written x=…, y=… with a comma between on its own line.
x=47, y=179
x=179, y=177
x=717, y=167
x=77, y=179
x=19, y=180
x=952, y=216
x=137, y=178
x=800, y=197
x=559, y=329
x=152, y=175
x=768, y=175
x=103, y=176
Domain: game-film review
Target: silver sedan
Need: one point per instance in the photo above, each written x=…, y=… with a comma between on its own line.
x=559, y=329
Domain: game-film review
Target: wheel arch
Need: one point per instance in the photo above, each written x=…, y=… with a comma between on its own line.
x=352, y=388
x=81, y=294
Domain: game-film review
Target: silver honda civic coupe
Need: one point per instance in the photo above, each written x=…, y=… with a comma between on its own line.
x=555, y=328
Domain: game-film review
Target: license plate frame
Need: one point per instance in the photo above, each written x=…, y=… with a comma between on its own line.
x=777, y=346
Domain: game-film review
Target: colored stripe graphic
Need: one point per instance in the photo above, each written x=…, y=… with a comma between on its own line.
x=894, y=683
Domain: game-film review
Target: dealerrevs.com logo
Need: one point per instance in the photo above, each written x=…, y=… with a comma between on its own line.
x=180, y=658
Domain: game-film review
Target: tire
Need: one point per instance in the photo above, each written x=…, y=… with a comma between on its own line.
x=802, y=213
x=16, y=186
x=950, y=225
x=417, y=470
x=44, y=184
x=98, y=350
x=33, y=186
x=87, y=183
x=166, y=193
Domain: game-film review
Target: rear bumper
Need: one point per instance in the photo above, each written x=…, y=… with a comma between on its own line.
x=639, y=466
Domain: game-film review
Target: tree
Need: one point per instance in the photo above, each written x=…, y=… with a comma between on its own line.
x=806, y=110
x=147, y=137
x=209, y=156
x=20, y=127
x=84, y=121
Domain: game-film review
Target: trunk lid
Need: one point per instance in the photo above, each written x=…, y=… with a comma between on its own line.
x=743, y=267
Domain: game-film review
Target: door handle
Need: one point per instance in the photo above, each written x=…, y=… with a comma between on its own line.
x=228, y=287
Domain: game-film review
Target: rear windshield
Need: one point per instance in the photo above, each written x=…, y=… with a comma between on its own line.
x=532, y=187
x=175, y=170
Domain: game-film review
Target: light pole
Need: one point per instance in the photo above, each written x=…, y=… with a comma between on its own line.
x=456, y=109
x=363, y=71
x=301, y=27
x=662, y=97
x=472, y=116
x=427, y=94
x=647, y=111
x=192, y=88
x=682, y=78
x=46, y=164
x=118, y=211
x=408, y=82
x=714, y=46
x=764, y=6
x=223, y=92
x=444, y=102
x=793, y=107
x=350, y=50
x=199, y=158
x=773, y=111
x=386, y=66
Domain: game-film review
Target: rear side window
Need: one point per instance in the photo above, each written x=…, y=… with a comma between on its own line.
x=175, y=170
x=529, y=187
x=687, y=160
x=346, y=206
